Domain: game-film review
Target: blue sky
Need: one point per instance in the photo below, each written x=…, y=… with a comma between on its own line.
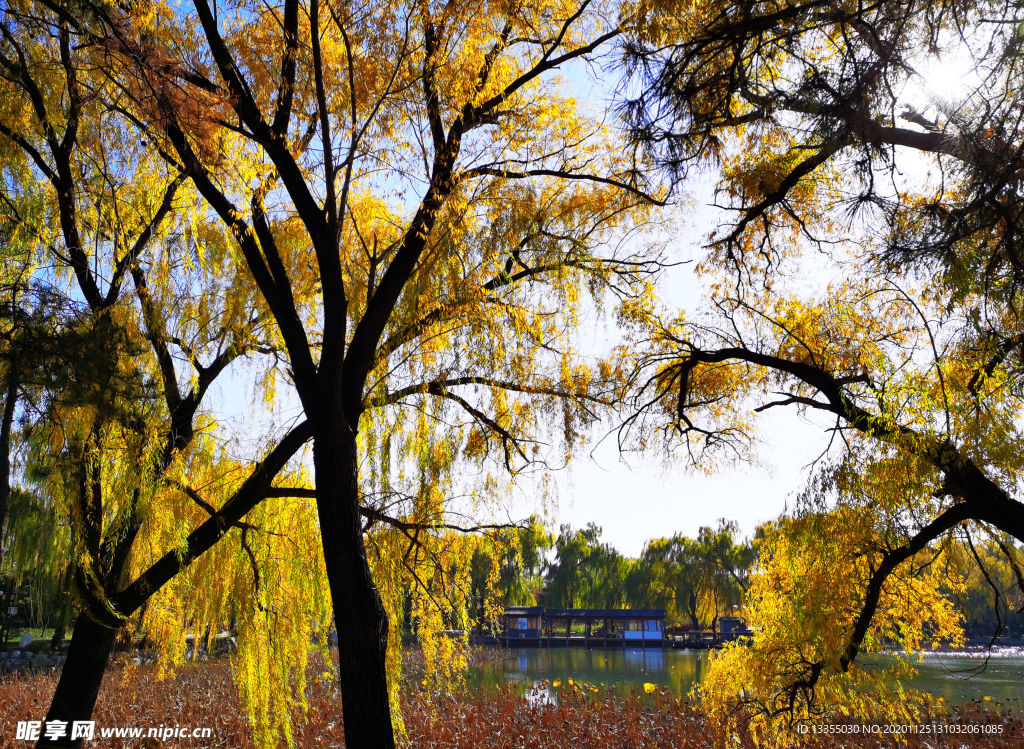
x=640, y=497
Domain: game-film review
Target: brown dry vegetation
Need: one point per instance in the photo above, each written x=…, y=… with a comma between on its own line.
x=204, y=695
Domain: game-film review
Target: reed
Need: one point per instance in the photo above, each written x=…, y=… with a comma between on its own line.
x=204, y=695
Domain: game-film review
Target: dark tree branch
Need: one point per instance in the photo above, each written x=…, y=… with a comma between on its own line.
x=251, y=493
x=561, y=174
x=437, y=387
x=286, y=89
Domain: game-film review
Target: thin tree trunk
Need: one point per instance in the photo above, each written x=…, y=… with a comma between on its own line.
x=80, y=680
x=5, y=453
x=11, y=603
x=359, y=617
x=67, y=608
x=692, y=601
x=62, y=627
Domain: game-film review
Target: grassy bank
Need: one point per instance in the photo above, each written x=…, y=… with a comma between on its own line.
x=203, y=695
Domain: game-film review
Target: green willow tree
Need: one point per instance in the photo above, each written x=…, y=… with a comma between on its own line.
x=508, y=572
x=991, y=597
x=21, y=323
x=694, y=579
x=49, y=354
x=586, y=572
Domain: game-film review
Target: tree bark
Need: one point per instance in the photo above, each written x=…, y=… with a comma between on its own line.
x=359, y=614
x=80, y=680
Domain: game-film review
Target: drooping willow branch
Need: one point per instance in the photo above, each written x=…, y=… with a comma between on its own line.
x=252, y=491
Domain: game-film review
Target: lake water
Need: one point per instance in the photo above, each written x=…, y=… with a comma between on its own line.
x=958, y=677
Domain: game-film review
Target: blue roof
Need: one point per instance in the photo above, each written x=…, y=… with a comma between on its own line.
x=524, y=611
x=605, y=613
x=608, y=613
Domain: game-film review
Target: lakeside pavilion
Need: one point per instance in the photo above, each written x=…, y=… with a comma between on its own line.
x=536, y=625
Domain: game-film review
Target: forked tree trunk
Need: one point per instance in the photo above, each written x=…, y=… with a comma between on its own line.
x=80, y=680
x=359, y=615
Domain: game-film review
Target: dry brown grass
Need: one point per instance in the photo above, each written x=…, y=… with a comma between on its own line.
x=500, y=720
x=204, y=695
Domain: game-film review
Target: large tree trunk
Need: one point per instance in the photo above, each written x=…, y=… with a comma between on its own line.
x=91, y=646
x=359, y=615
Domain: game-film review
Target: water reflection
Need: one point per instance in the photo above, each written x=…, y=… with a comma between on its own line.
x=966, y=676
x=625, y=668
x=954, y=676
x=540, y=693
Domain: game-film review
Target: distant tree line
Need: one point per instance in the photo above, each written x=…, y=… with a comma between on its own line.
x=696, y=580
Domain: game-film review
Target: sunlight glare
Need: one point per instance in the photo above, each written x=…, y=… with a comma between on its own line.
x=942, y=81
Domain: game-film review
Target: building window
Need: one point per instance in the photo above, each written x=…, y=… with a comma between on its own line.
x=635, y=625
x=522, y=624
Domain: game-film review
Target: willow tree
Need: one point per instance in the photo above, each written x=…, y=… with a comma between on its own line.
x=13, y=345
x=585, y=572
x=694, y=579
x=923, y=458
x=925, y=451
x=146, y=312
x=44, y=348
x=991, y=599
x=423, y=208
x=24, y=340
x=879, y=146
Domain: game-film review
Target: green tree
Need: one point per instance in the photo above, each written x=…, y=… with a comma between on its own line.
x=39, y=560
x=512, y=562
x=695, y=580
x=585, y=572
x=991, y=596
